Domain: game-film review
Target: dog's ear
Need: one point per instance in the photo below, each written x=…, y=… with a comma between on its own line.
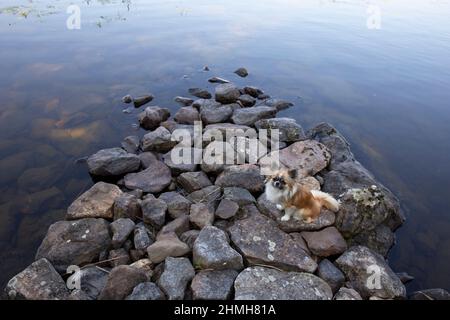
x=292, y=173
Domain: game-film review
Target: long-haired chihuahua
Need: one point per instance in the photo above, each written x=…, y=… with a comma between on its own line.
x=295, y=199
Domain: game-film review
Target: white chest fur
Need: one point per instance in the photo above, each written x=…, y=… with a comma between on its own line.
x=273, y=194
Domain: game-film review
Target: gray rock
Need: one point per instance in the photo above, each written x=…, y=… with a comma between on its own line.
x=154, y=179
x=131, y=144
x=142, y=237
x=347, y=294
x=39, y=281
x=146, y=291
x=201, y=215
x=258, y=283
x=227, y=93
x=154, y=211
x=430, y=294
x=97, y=202
x=92, y=281
x=209, y=196
x=193, y=181
x=178, y=225
x=213, y=284
x=127, y=206
x=278, y=104
x=200, y=93
x=289, y=129
x=297, y=237
x=118, y=257
x=309, y=157
x=177, y=205
x=241, y=72
x=332, y=275
x=127, y=99
x=189, y=237
x=140, y=101
x=206, y=104
x=167, y=245
x=247, y=100
x=326, y=218
x=369, y=274
x=248, y=116
x=245, y=176
x=326, y=242
x=121, y=229
x=220, y=114
x=74, y=242
x=227, y=209
x=151, y=117
x=253, y=91
x=175, y=278
x=213, y=251
x=239, y=195
x=187, y=115
x=217, y=80
x=224, y=128
x=121, y=281
x=180, y=165
x=183, y=101
x=159, y=140
x=261, y=242
x=217, y=156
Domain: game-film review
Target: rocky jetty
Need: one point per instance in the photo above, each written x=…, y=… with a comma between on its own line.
x=153, y=229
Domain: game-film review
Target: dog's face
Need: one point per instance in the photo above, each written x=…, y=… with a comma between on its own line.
x=282, y=179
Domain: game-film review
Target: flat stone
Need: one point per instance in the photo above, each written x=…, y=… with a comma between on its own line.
x=213, y=251
x=219, y=114
x=154, y=179
x=217, y=80
x=167, y=246
x=245, y=176
x=326, y=242
x=200, y=93
x=141, y=100
x=193, y=181
x=239, y=195
x=112, y=162
x=97, y=202
x=227, y=209
x=187, y=115
x=248, y=116
x=261, y=242
x=259, y=283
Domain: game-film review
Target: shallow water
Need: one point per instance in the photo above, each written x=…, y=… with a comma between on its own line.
x=385, y=89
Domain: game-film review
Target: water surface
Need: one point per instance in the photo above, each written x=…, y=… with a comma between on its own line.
x=386, y=90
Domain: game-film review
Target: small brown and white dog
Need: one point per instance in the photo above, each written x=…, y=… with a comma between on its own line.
x=297, y=200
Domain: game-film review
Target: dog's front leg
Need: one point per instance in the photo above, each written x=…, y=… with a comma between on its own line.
x=288, y=212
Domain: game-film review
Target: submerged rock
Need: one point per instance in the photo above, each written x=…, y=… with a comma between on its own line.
x=74, y=242
x=227, y=93
x=97, y=202
x=258, y=283
x=184, y=101
x=253, y=91
x=217, y=80
x=140, y=101
x=39, y=281
x=200, y=93
x=430, y=294
x=241, y=72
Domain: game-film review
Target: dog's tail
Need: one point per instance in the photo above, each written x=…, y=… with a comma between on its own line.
x=327, y=200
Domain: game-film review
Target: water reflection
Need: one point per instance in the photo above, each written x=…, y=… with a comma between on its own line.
x=386, y=90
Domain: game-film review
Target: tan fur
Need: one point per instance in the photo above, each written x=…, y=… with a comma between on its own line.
x=300, y=200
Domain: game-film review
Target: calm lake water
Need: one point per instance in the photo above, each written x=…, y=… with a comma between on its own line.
x=387, y=90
